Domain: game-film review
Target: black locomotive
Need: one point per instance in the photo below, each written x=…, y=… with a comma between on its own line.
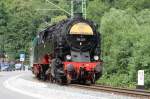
x=68, y=51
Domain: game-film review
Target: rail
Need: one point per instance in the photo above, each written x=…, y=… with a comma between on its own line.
x=128, y=92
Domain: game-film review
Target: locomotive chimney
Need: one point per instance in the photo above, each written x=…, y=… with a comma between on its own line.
x=78, y=15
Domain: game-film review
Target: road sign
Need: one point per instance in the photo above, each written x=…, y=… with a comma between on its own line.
x=22, y=57
x=141, y=77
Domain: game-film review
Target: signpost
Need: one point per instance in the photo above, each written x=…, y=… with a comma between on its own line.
x=22, y=59
x=140, y=79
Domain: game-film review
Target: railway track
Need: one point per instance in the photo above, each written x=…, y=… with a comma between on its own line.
x=142, y=94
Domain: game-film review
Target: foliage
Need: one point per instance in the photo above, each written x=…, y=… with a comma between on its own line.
x=124, y=25
x=125, y=45
x=20, y=21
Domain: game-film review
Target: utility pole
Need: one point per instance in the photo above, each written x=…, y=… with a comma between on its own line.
x=3, y=48
x=72, y=8
x=79, y=5
x=84, y=10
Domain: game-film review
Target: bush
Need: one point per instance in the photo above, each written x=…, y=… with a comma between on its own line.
x=125, y=46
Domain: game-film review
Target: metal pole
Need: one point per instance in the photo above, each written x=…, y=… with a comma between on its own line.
x=72, y=8
x=82, y=7
x=84, y=12
x=3, y=55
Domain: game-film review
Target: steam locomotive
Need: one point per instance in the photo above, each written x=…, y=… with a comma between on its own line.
x=67, y=52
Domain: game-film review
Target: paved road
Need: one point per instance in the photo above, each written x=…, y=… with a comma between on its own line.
x=23, y=85
x=5, y=93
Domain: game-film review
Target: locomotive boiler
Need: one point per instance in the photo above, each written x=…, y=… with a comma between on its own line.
x=68, y=51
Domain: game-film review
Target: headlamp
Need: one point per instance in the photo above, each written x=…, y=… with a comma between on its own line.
x=96, y=58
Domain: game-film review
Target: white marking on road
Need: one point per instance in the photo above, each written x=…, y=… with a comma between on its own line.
x=8, y=86
x=32, y=84
x=41, y=90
